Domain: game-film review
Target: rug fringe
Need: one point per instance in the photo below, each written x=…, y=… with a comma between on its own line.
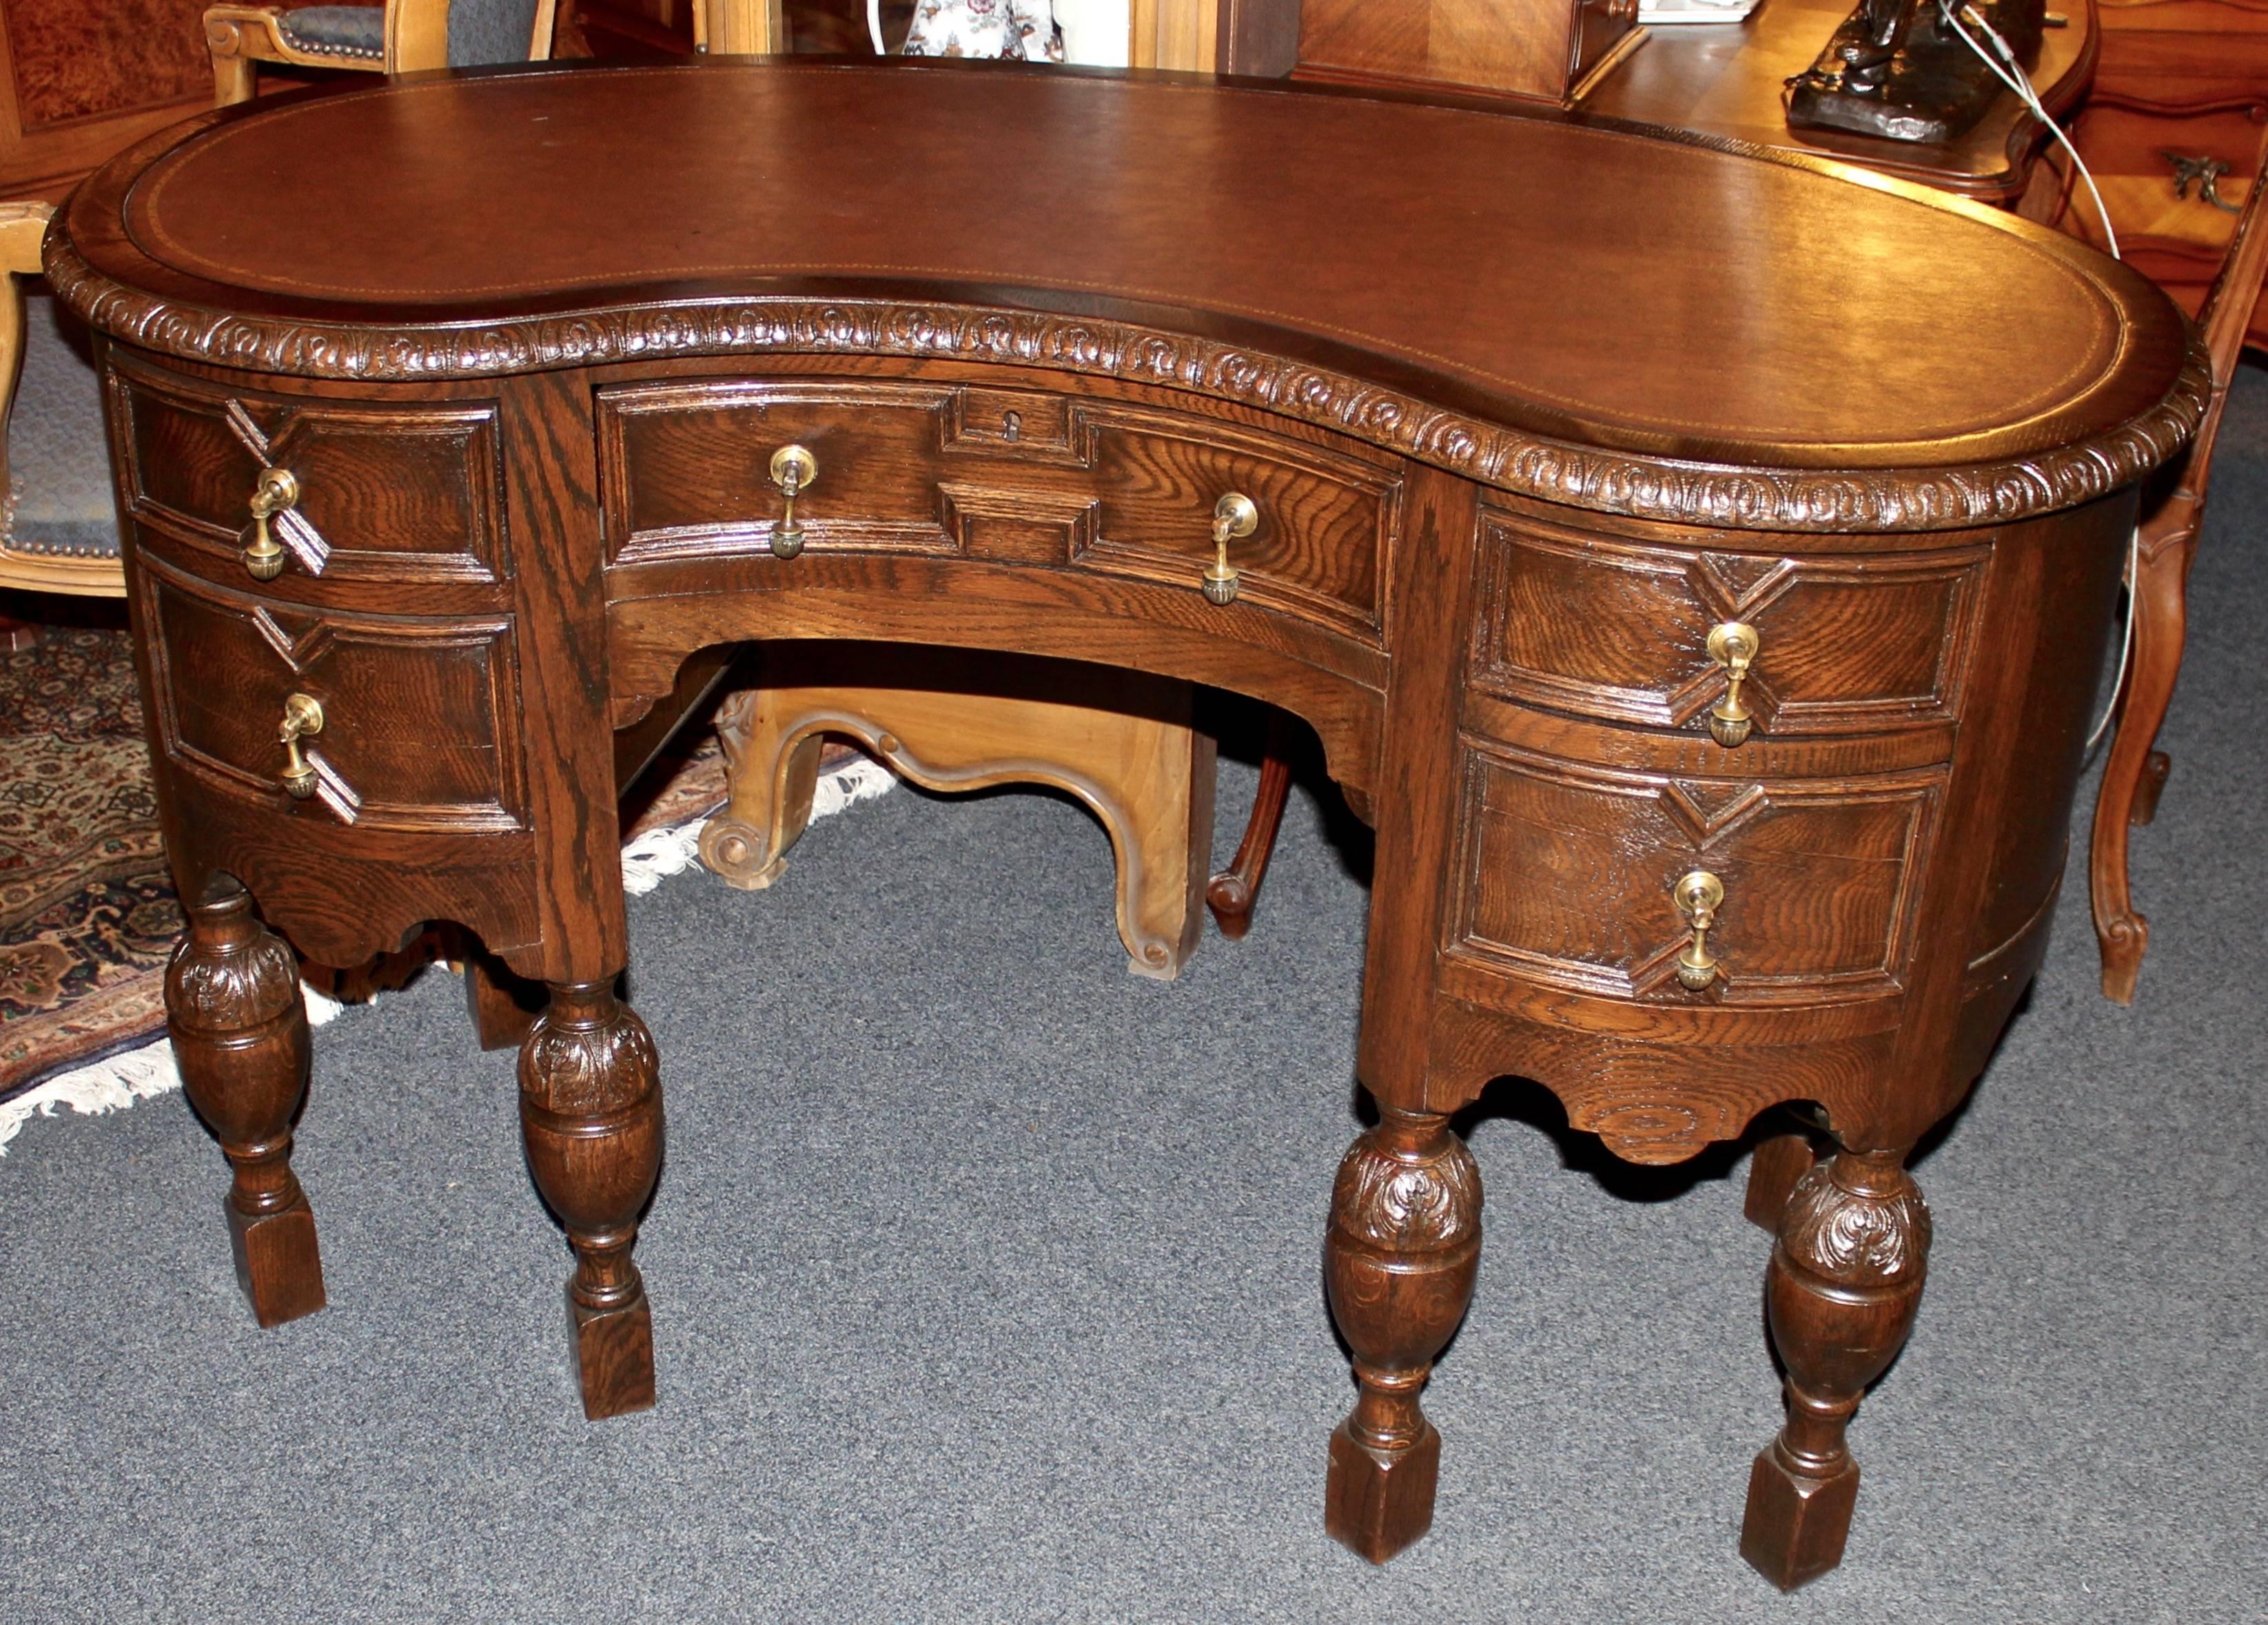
x=117, y=1081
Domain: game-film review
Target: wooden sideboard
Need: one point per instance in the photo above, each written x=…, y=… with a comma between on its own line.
x=1713, y=659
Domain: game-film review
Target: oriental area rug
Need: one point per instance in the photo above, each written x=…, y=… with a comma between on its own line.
x=87, y=910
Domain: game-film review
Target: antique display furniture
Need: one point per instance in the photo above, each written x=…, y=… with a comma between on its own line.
x=1707, y=625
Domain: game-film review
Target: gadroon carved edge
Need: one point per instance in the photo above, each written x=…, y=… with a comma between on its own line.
x=1553, y=470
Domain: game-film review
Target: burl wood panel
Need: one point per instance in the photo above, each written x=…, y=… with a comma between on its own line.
x=1621, y=632
x=420, y=729
x=74, y=58
x=1569, y=869
x=404, y=494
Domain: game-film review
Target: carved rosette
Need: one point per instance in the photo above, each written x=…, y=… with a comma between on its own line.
x=2046, y=479
x=1857, y=1222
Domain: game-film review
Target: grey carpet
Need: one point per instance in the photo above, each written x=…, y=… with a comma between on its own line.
x=986, y=1283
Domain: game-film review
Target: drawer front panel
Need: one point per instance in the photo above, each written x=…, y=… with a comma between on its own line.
x=1620, y=632
x=687, y=468
x=409, y=494
x=420, y=729
x=1568, y=876
x=1001, y=474
x=1325, y=522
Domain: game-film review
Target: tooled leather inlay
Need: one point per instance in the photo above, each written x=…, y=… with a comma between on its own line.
x=1133, y=193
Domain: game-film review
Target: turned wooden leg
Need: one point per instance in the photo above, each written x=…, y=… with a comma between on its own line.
x=1399, y=1261
x=239, y=1033
x=1231, y=893
x=590, y=1109
x=1845, y=1278
x=2128, y=796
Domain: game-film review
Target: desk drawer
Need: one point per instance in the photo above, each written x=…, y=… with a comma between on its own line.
x=419, y=717
x=1622, y=632
x=1569, y=876
x=397, y=494
x=1010, y=475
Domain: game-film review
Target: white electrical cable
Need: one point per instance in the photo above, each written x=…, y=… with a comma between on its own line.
x=2017, y=80
x=874, y=27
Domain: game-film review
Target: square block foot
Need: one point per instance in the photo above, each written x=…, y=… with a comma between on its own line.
x=1377, y=1501
x=1795, y=1526
x=276, y=1263
x=613, y=1352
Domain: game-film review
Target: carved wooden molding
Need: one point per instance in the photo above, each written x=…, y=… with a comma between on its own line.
x=1553, y=470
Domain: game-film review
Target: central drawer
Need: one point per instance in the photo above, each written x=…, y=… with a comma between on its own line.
x=1003, y=474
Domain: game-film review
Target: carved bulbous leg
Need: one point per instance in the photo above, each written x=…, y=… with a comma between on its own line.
x=239, y=1033
x=1845, y=1278
x=590, y=1110
x=1399, y=1261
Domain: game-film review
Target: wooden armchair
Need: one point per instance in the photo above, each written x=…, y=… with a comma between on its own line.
x=2158, y=597
x=401, y=36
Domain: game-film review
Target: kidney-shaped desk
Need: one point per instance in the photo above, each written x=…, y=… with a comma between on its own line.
x=1696, y=564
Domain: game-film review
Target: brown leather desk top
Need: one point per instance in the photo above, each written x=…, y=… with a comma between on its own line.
x=1592, y=285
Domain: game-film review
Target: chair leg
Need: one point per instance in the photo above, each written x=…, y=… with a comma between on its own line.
x=1231, y=893
x=2159, y=609
x=2155, y=771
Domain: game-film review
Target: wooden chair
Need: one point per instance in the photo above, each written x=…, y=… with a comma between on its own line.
x=81, y=560
x=401, y=36
x=2158, y=587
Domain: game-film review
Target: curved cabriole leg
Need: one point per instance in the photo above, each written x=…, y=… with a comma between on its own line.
x=2132, y=777
x=1845, y=1278
x=1399, y=1261
x=590, y=1110
x=239, y=1033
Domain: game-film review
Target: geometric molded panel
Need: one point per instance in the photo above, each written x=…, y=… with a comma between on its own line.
x=1848, y=643
x=410, y=494
x=1566, y=876
x=419, y=717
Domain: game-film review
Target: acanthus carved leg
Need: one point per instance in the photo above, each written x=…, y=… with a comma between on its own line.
x=1399, y=1262
x=239, y=1033
x=1844, y=1280
x=590, y=1111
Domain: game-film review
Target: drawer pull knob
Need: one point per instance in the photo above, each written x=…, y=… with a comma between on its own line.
x=793, y=469
x=303, y=715
x=1733, y=644
x=1233, y=518
x=275, y=490
x=1698, y=896
x=2206, y=173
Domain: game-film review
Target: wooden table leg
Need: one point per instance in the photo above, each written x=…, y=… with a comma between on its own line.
x=1399, y=1261
x=239, y=1033
x=1774, y=1167
x=590, y=1110
x=1845, y=1278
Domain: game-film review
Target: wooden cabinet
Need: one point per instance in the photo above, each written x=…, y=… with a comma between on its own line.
x=79, y=80
x=2172, y=134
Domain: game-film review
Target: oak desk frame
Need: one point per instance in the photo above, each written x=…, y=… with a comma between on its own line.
x=1496, y=629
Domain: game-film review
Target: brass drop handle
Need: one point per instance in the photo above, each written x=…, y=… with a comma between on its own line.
x=1733, y=644
x=1698, y=895
x=793, y=469
x=276, y=489
x=303, y=715
x=1234, y=517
